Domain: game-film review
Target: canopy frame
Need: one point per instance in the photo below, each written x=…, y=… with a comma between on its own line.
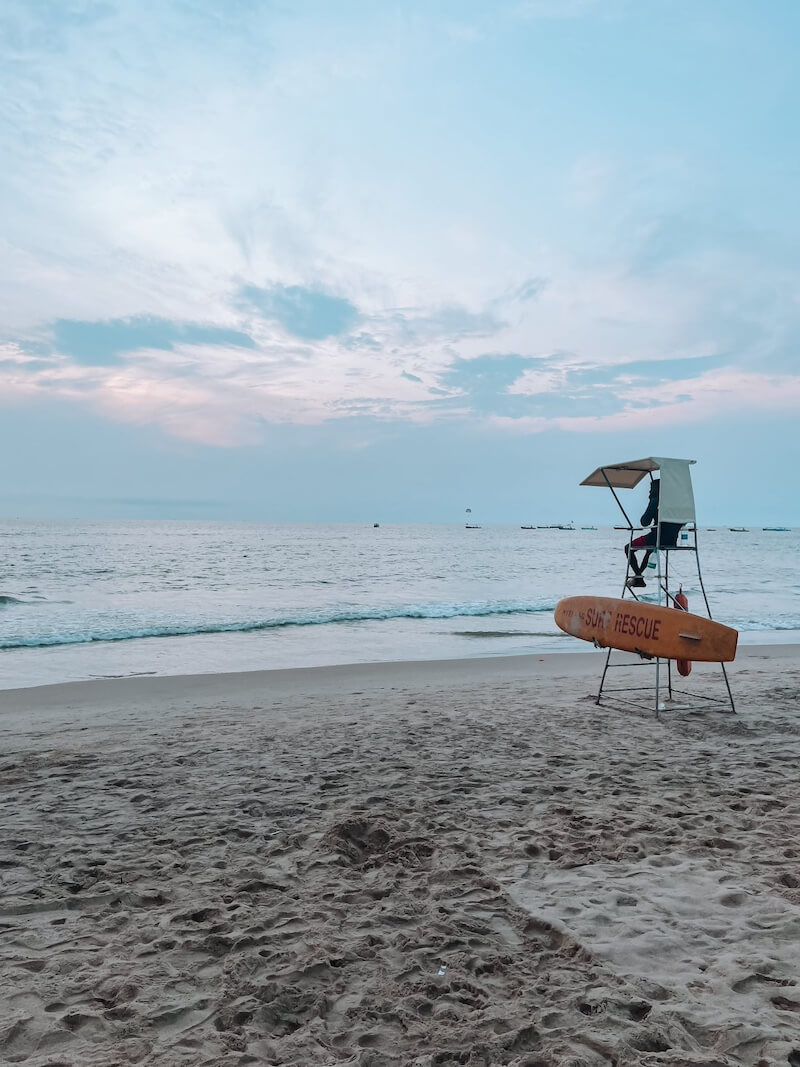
x=676, y=496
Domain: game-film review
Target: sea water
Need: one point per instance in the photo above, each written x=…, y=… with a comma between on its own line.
x=104, y=599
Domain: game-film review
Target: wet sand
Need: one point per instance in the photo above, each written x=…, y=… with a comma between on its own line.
x=466, y=862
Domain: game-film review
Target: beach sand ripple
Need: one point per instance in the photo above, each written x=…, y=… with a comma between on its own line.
x=412, y=874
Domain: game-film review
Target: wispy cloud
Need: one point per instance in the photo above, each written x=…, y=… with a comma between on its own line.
x=216, y=218
x=713, y=397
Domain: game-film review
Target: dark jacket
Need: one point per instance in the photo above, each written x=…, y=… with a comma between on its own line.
x=667, y=531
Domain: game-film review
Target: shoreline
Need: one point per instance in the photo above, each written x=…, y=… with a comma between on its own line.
x=338, y=677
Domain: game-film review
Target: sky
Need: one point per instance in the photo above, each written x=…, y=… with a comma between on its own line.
x=384, y=260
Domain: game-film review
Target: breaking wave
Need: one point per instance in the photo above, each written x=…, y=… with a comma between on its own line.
x=486, y=609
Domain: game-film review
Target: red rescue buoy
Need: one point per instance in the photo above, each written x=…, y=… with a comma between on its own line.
x=682, y=603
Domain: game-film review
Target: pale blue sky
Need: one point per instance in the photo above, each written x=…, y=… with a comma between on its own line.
x=386, y=259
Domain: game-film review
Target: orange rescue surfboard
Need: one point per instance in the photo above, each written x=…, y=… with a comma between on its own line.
x=650, y=630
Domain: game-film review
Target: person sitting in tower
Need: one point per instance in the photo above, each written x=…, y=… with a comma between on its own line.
x=662, y=535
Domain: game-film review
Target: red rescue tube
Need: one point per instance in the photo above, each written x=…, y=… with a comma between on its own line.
x=682, y=603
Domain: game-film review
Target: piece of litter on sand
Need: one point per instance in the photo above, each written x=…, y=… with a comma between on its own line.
x=442, y=970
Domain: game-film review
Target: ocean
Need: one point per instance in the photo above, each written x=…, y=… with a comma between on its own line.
x=83, y=600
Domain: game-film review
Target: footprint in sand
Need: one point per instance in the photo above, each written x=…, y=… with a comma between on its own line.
x=758, y=980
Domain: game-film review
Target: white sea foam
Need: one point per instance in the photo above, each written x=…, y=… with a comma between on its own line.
x=73, y=636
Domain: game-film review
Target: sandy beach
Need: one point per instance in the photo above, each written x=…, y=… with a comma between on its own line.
x=457, y=862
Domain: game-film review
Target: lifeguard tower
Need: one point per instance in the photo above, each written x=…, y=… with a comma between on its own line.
x=675, y=506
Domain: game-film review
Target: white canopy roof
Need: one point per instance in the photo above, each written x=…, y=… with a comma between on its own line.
x=676, y=499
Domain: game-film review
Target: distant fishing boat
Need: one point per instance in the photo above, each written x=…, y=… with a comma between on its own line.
x=588, y=527
x=738, y=529
x=776, y=529
x=527, y=527
x=376, y=525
